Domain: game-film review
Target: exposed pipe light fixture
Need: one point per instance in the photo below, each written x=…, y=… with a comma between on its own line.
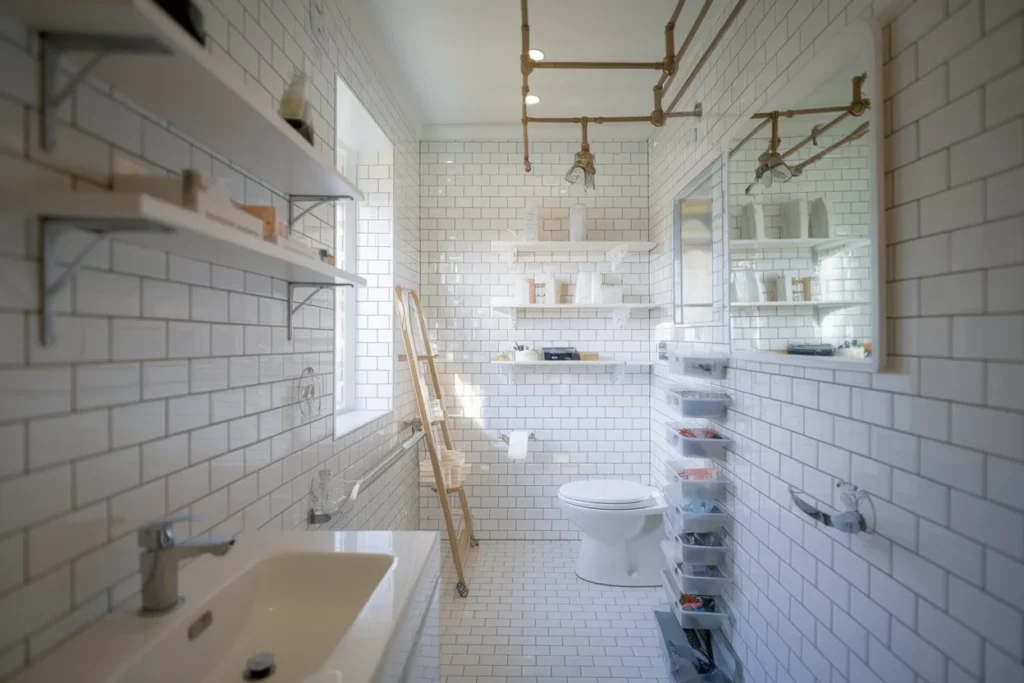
x=772, y=166
x=583, y=165
x=532, y=99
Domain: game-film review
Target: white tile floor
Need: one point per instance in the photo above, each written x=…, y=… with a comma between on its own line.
x=528, y=619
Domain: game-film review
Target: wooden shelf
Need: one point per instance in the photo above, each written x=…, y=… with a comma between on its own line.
x=799, y=304
x=191, y=235
x=809, y=243
x=193, y=91
x=542, y=247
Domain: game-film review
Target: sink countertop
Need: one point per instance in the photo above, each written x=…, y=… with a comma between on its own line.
x=107, y=648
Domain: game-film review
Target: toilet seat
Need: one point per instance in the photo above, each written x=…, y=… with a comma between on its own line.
x=607, y=494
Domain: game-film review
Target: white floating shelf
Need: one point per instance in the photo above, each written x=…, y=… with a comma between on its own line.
x=503, y=308
x=572, y=363
x=619, y=313
x=541, y=247
x=799, y=304
x=617, y=368
x=806, y=243
x=192, y=235
x=191, y=90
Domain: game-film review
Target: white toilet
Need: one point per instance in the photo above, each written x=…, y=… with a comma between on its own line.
x=620, y=526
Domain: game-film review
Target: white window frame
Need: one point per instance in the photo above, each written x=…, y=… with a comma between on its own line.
x=346, y=215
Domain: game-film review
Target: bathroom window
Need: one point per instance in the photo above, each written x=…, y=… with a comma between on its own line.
x=346, y=220
x=363, y=322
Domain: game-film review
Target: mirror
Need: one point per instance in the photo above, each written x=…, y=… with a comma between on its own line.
x=804, y=218
x=693, y=261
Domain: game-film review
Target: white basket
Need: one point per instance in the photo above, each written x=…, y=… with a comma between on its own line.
x=691, y=447
x=456, y=476
x=681, y=520
x=699, y=554
x=688, y=580
x=691, y=618
x=693, y=403
x=694, y=488
x=427, y=474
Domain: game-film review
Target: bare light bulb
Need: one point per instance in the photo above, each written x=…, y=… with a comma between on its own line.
x=536, y=55
x=532, y=99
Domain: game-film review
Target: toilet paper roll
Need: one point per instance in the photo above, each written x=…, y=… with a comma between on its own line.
x=517, y=442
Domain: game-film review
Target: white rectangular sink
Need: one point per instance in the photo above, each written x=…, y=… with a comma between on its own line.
x=325, y=605
x=295, y=606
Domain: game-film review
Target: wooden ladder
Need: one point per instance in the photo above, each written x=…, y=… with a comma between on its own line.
x=460, y=542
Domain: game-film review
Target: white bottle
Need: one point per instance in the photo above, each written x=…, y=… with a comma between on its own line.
x=551, y=290
x=582, y=294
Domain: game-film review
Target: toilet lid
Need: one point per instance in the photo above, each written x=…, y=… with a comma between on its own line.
x=612, y=492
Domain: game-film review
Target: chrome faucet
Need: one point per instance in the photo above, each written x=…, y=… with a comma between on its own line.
x=160, y=557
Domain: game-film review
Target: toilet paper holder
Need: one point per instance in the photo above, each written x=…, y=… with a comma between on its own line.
x=505, y=437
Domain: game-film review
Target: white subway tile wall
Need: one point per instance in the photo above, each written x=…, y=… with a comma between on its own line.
x=585, y=424
x=937, y=438
x=172, y=385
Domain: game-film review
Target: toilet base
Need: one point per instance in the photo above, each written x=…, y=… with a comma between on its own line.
x=634, y=563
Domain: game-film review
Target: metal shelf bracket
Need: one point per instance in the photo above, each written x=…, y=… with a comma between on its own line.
x=52, y=278
x=317, y=288
x=620, y=316
x=53, y=46
x=617, y=372
x=317, y=201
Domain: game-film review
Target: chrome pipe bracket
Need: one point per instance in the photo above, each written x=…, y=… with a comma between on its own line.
x=53, y=280
x=317, y=200
x=318, y=287
x=53, y=46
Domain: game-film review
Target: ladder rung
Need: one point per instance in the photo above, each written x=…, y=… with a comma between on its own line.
x=402, y=357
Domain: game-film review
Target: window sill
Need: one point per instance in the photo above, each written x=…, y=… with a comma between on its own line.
x=346, y=423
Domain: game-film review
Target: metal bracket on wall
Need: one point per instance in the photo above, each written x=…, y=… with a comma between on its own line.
x=513, y=256
x=617, y=372
x=52, y=279
x=620, y=316
x=53, y=46
x=317, y=288
x=317, y=200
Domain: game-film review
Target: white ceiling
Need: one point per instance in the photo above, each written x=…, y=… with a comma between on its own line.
x=461, y=57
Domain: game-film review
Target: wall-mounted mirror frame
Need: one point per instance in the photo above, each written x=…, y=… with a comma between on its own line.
x=861, y=42
x=696, y=272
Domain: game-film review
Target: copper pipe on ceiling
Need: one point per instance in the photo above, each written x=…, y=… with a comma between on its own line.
x=815, y=132
x=598, y=65
x=668, y=66
x=671, y=58
x=591, y=119
x=790, y=113
x=666, y=79
x=671, y=62
x=857, y=133
x=707, y=53
x=524, y=65
x=750, y=135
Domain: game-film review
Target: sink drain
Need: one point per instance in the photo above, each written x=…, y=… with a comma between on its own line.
x=259, y=667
